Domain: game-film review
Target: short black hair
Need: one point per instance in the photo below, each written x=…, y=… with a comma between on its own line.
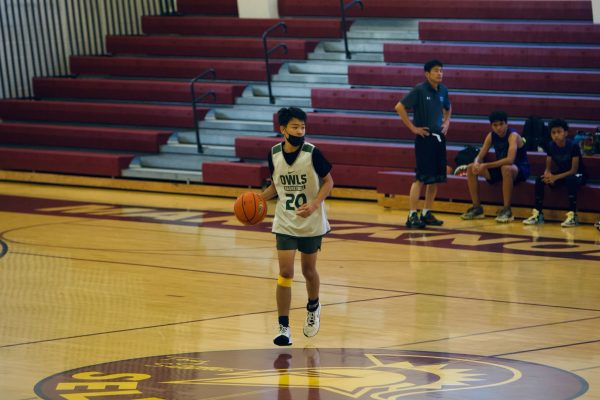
x=285, y=114
x=558, y=123
x=429, y=65
x=498, y=116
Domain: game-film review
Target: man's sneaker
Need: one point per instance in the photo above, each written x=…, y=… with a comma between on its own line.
x=413, y=221
x=430, y=219
x=536, y=218
x=313, y=322
x=474, y=212
x=505, y=215
x=284, y=338
x=570, y=221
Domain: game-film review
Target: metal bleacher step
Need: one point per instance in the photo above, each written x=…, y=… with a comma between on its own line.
x=246, y=114
x=162, y=174
x=325, y=68
x=135, y=170
x=236, y=125
x=340, y=56
x=356, y=46
x=384, y=29
x=180, y=161
x=311, y=78
x=220, y=137
x=282, y=101
x=208, y=149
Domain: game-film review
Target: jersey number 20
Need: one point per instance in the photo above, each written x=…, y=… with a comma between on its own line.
x=294, y=201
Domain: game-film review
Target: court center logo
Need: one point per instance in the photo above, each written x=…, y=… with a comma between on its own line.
x=314, y=374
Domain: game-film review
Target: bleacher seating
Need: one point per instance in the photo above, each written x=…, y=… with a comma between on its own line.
x=494, y=54
x=185, y=68
x=137, y=140
x=238, y=173
x=100, y=113
x=204, y=47
x=247, y=27
x=541, y=67
x=463, y=103
x=68, y=162
x=399, y=182
x=382, y=126
x=481, y=78
x=520, y=32
x=208, y=7
x=356, y=164
x=498, y=9
x=140, y=90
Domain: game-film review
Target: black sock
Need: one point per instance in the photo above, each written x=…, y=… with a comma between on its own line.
x=284, y=320
x=313, y=304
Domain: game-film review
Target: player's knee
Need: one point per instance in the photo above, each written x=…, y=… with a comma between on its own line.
x=284, y=282
x=309, y=273
x=508, y=171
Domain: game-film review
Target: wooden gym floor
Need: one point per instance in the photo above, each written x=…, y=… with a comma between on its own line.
x=92, y=279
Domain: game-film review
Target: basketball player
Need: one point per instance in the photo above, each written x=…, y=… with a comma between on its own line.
x=301, y=178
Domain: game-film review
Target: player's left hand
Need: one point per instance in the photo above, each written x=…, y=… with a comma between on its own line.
x=306, y=209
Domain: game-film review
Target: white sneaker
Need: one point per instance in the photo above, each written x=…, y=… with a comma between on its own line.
x=535, y=219
x=597, y=225
x=570, y=221
x=313, y=321
x=284, y=338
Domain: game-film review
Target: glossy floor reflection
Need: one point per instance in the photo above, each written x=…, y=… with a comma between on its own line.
x=153, y=296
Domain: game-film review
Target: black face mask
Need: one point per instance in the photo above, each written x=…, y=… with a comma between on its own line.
x=295, y=140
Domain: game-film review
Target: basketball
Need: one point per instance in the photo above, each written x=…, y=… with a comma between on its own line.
x=250, y=208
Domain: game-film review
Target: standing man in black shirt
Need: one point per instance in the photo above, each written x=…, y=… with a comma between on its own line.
x=431, y=114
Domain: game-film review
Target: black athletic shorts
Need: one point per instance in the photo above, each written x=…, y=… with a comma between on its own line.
x=430, y=152
x=496, y=175
x=307, y=245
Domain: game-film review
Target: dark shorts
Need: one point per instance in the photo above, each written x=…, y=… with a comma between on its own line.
x=496, y=175
x=576, y=181
x=307, y=245
x=431, y=158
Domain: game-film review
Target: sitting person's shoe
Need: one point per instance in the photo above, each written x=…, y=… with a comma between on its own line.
x=413, y=221
x=312, y=322
x=504, y=215
x=430, y=219
x=570, y=221
x=536, y=218
x=284, y=337
x=474, y=212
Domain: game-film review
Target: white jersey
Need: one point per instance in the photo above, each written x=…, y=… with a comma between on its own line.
x=297, y=184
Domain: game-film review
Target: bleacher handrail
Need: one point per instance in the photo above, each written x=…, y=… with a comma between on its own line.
x=195, y=99
x=267, y=52
x=343, y=8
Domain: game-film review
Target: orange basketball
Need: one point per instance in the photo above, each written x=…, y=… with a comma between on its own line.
x=250, y=208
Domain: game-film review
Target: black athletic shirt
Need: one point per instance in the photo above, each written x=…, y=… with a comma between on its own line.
x=562, y=157
x=427, y=104
x=500, y=145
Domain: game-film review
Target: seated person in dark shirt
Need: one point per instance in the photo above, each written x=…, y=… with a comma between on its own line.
x=510, y=166
x=564, y=167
